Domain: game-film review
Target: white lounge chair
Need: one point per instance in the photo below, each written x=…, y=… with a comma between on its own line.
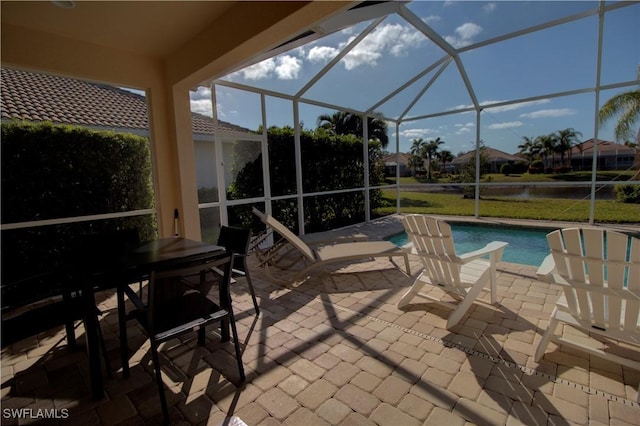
x=462, y=276
x=599, y=271
x=317, y=256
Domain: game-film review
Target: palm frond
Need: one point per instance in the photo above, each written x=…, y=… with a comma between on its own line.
x=626, y=106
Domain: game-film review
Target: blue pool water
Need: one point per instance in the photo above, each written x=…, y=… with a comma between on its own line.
x=527, y=246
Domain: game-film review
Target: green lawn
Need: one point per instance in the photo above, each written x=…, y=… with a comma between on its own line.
x=535, y=208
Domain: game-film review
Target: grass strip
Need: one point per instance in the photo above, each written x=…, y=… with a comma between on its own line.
x=606, y=211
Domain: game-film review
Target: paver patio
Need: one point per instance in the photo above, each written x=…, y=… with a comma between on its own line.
x=336, y=350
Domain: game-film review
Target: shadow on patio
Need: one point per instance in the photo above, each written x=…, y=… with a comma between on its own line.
x=336, y=350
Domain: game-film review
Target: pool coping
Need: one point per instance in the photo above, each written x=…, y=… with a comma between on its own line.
x=392, y=224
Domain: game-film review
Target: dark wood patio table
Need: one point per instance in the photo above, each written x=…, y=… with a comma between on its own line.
x=132, y=266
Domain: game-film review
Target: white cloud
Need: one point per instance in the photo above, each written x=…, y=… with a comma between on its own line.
x=260, y=70
x=201, y=93
x=469, y=124
x=220, y=110
x=288, y=67
x=464, y=128
x=489, y=7
x=511, y=107
x=202, y=106
x=348, y=30
x=322, y=54
x=224, y=114
x=284, y=67
x=359, y=56
x=457, y=107
x=546, y=113
x=416, y=133
x=468, y=30
x=201, y=101
x=431, y=19
x=392, y=38
x=464, y=34
x=507, y=125
x=503, y=108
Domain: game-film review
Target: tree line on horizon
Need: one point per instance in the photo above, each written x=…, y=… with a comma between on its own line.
x=546, y=148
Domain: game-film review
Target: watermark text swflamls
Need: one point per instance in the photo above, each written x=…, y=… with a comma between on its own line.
x=35, y=413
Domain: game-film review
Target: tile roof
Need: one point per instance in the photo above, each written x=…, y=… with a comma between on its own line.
x=491, y=153
x=603, y=146
x=41, y=97
x=392, y=158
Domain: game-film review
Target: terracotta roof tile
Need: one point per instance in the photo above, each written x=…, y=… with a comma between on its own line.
x=41, y=97
x=603, y=146
x=491, y=153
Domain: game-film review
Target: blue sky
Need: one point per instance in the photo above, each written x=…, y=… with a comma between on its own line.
x=557, y=59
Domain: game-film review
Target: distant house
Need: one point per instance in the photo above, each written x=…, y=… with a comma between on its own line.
x=495, y=157
x=611, y=156
x=42, y=97
x=392, y=163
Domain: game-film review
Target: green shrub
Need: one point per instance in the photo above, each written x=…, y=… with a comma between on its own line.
x=505, y=169
x=329, y=162
x=519, y=167
x=207, y=194
x=627, y=193
x=51, y=172
x=562, y=169
x=536, y=167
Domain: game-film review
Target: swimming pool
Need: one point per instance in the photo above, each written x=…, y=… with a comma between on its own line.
x=527, y=246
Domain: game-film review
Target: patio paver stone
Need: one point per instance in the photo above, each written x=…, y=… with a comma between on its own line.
x=337, y=351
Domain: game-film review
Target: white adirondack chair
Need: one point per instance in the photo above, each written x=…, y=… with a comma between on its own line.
x=463, y=276
x=599, y=271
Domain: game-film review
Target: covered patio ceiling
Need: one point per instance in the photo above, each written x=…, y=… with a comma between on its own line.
x=182, y=35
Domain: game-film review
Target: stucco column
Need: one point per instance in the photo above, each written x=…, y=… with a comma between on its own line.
x=173, y=161
x=182, y=139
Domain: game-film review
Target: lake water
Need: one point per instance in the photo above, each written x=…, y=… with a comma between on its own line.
x=527, y=246
x=569, y=192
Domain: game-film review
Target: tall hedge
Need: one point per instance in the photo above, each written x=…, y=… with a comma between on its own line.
x=52, y=171
x=329, y=162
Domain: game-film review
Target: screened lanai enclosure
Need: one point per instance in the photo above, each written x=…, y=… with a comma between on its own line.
x=486, y=109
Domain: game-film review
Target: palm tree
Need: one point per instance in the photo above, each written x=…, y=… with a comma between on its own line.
x=338, y=123
x=528, y=147
x=546, y=147
x=445, y=157
x=565, y=141
x=537, y=149
x=627, y=106
x=348, y=123
x=416, y=151
x=377, y=128
x=414, y=162
x=430, y=149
